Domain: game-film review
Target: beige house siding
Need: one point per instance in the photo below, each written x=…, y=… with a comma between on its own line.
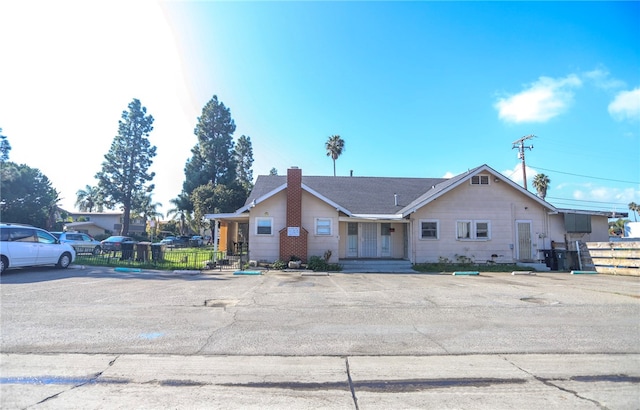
x=110, y=222
x=498, y=203
x=397, y=240
x=342, y=243
x=599, y=230
x=267, y=247
x=312, y=209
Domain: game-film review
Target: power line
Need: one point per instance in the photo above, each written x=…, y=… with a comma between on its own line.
x=585, y=176
x=585, y=200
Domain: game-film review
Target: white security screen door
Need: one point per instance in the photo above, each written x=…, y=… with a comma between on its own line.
x=524, y=250
x=369, y=240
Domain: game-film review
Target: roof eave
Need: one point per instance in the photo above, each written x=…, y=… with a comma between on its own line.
x=318, y=195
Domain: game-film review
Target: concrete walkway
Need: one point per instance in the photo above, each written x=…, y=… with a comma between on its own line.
x=143, y=381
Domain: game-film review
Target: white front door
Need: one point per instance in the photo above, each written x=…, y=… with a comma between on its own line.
x=369, y=240
x=385, y=235
x=524, y=251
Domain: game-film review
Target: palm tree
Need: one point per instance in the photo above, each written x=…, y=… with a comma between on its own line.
x=89, y=198
x=335, y=147
x=634, y=208
x=180, y=211
x=148, y=211
x=617, y=228
x=541, y=184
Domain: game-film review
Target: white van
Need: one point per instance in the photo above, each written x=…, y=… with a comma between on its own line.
x=24, y=245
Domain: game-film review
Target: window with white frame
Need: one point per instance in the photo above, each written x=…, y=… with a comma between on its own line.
x=264, y=226
x=323, y=226
x=473, y=230
x=463, y=229
x=429, y=229
x=482, y=229
x=480, y=180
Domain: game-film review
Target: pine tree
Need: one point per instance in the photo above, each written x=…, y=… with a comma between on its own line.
x=125, y=168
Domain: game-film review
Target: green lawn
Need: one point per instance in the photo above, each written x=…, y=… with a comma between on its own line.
x=172, y=259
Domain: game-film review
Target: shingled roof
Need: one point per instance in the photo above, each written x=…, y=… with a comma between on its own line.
x=359, y=195
x=374, y=196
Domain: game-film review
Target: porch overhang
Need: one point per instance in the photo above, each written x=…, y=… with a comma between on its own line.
x=395, y=218
x=233, y=217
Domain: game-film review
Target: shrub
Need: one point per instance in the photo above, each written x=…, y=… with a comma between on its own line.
x=317, y=264
x=278, y=265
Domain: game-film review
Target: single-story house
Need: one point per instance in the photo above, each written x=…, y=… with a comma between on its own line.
x=102, y=223
x=479, y=215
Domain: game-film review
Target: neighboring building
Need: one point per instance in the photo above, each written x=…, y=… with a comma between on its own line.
x=102, y=223
x=480, y=215
x=632, y=230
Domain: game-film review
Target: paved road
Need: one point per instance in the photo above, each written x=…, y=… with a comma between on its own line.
x=95, y=338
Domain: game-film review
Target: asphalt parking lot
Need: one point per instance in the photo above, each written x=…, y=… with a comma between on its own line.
x=95, y=338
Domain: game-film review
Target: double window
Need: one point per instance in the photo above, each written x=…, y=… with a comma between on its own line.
x=480, y=180
x=473, y=230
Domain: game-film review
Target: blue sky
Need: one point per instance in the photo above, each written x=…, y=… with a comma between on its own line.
x=419, y=89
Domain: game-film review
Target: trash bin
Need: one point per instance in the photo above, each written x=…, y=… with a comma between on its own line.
x=127, y=250
x=549, y=259
x=142, y=251
x=157, y=251
x=560, y=258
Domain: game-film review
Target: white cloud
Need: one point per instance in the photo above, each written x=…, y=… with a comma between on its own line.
x=541, y=101
x=626, y=105
x=517, y=176
x=448, y=174
x=603, y=194
x=602, y=79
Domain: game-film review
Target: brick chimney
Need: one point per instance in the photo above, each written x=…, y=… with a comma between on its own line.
x=293, y=238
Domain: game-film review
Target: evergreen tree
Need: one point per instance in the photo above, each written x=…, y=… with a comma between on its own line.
x=5, y=147
x=218, y=166
x=213, y=157
x=244, y=161
x=125, y=168
x=26, y=196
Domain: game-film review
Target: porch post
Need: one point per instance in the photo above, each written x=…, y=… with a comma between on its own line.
x=214, y=234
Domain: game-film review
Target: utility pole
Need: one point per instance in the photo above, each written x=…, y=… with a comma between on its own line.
x=519, y=144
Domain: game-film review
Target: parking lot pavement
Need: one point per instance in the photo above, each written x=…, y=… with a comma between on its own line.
x=95, y=338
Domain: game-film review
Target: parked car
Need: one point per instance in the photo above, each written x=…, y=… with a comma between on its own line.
x=114, y=243
x=168, y=241
x=25, y=245
x=196, y=240
x=81, y=242
x=176, y=241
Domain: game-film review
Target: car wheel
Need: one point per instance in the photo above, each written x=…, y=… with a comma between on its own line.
x=97, y=250
x=4, y=264
x=64, y=261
